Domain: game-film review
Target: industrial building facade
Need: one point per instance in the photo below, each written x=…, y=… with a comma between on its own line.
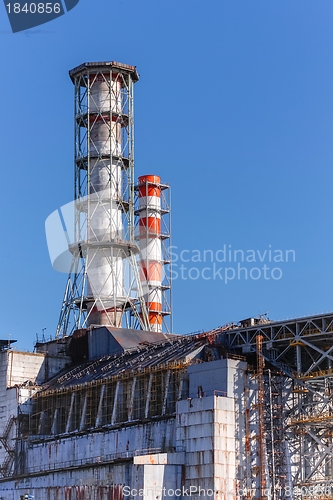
x=129, y=419
x=243, y=411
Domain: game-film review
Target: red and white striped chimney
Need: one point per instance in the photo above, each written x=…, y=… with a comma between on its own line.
x=151, y=265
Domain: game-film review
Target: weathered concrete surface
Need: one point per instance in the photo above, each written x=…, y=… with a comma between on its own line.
x=194, y=451
x=20, y=375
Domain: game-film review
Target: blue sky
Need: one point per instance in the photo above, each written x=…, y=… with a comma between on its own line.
x=234, y=108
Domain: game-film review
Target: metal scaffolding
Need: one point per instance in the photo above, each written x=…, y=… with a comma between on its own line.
x=125, y=398
x=261, y=435
x=103, y=286
x=277, y=392
x=297, y=401
x=153, y=222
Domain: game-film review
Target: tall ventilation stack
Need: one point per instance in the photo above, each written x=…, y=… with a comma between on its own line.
x=105, y=200
x=104, y=286
x=154, y=239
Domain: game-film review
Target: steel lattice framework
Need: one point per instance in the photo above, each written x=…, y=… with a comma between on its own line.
x=297, y=429
x=103, y=285
x=157, y=290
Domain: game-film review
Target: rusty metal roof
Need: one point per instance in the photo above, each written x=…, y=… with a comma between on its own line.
x=171, y=350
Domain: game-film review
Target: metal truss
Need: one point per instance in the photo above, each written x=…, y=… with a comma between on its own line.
x=104, y=203
x=279, y=456
x=298, y=401
x=165, y=287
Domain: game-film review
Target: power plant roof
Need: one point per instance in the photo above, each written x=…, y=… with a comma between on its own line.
x=159, y=351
